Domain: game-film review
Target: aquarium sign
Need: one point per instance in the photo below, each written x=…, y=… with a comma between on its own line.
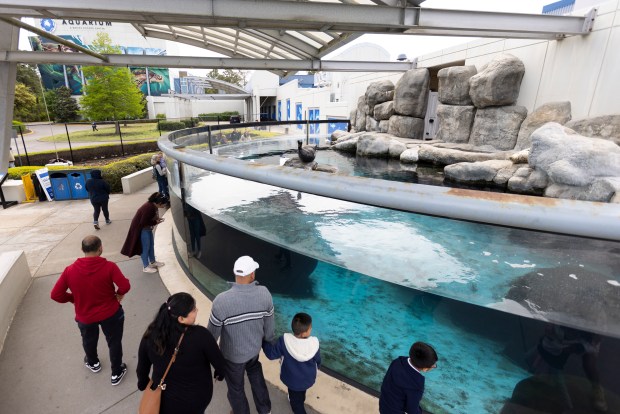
x=49, y=25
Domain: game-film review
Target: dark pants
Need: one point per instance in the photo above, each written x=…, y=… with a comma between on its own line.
x=113, y=330
x=236, y=392
x=297, y=399
x=162, y=183
x=99, y=207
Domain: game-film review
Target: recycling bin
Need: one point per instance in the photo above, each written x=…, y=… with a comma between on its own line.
x=77, y=185
x=60, y=185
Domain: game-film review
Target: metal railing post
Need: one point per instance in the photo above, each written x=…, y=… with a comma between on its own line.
x=120, y=134
x=69, y=140
x=210, y=146
x=24, y=144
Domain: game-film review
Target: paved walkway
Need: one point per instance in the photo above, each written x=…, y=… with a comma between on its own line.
x=41, y=369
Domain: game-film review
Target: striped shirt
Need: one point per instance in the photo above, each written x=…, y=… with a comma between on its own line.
x=242, y=317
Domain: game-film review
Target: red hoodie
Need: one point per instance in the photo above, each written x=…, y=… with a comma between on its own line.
x=91, y=281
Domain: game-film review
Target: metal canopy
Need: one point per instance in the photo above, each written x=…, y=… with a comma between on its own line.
x=282, y=31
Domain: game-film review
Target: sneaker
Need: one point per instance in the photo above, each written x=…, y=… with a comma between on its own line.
x=116, y=379
x=108, y=222
x=96, y=367
x=149, y=269
x=156, y=264
x=96, y=225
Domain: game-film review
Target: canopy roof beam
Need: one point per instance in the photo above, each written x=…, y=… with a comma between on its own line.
x=307, y=15
x=206, y=62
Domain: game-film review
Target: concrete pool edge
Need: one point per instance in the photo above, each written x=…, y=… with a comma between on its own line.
x=328, y=393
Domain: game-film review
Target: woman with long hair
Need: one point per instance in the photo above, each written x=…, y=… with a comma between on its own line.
x=140, y=235
x=189, y=384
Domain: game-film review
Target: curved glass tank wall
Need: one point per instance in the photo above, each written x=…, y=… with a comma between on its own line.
x=521, y=319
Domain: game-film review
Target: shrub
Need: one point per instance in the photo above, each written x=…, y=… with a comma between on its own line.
x=190, y=123
x=160, y=116
x=224, y=116
x=171, y=126
x=113, y=172
x=21, y=125
x=100, y=151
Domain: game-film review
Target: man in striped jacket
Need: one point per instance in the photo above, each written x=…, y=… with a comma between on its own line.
x=242, y=317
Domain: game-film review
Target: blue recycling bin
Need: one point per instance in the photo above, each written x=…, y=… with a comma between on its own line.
x=60, y=185
x=77, y=185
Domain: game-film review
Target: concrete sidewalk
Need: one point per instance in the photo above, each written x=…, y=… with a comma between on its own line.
x=41, y=368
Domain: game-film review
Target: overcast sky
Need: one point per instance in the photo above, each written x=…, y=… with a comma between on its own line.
x=414, y=46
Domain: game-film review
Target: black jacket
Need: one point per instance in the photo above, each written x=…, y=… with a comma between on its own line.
x=98, y=189
x=402, y=389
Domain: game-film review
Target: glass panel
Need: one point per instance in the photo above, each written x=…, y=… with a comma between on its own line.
x=489, y=360
x=513, y=270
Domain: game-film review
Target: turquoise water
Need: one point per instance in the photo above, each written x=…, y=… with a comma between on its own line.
x=482, y=295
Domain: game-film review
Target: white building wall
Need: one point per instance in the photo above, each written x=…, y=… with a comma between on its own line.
x=580, y=69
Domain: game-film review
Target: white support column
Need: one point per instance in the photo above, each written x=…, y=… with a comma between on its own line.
x=9, y=36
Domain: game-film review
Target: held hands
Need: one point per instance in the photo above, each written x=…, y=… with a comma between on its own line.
x=218, y=376
x=159, y=220
x=119, y=297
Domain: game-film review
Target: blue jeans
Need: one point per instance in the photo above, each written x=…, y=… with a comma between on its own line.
x=113, y=330
x=148, y=247
x=162, y=183
x=236, y=392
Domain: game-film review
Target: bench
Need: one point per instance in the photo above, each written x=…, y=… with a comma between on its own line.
x=135, y=182
x=15, y=279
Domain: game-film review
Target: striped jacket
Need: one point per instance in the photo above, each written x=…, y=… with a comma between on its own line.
x=242, y=316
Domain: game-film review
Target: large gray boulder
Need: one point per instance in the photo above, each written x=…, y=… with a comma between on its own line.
x=396, y=148
x=360, y=121
x=498, y=83
x=384, y=126
x=601, y=189
x=455, y=122
x=349, y=145
x=559, y=112
x=411, y=93
x=360, y=116
x=406, y=127
x=560, y=293
x=410, y=155
x=337, y=134
x=475, y=172
x=353, y=116
x=371, y=124
x=498, y=127
x=378, y=92
x=526, y=180
x=571, y=159
x=384, y=111
x=606, y=127
x=446, y=156
x=374, y=145
x=454, y=84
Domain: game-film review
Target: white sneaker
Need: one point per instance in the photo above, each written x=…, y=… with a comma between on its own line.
x=156, y=264
x=149, y=269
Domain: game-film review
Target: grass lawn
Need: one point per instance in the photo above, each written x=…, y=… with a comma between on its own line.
x=131, y=132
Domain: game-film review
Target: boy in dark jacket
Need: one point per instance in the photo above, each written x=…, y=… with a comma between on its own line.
x=300, y=359
x=99, y=194
x=403, y=385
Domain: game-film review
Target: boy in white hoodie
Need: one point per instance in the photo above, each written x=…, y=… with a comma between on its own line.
x=300, y=359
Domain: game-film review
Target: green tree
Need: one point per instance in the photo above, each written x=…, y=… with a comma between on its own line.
x=25, y=100
x=236, y=77
x=27, y=75
x=65, y=107
x=110, y=92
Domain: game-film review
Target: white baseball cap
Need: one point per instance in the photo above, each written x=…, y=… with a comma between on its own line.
x=244, y=266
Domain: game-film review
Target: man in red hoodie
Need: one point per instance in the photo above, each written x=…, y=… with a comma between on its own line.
x=91, y=280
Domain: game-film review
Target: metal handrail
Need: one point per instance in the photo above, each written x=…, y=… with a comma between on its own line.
x=570, y=217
